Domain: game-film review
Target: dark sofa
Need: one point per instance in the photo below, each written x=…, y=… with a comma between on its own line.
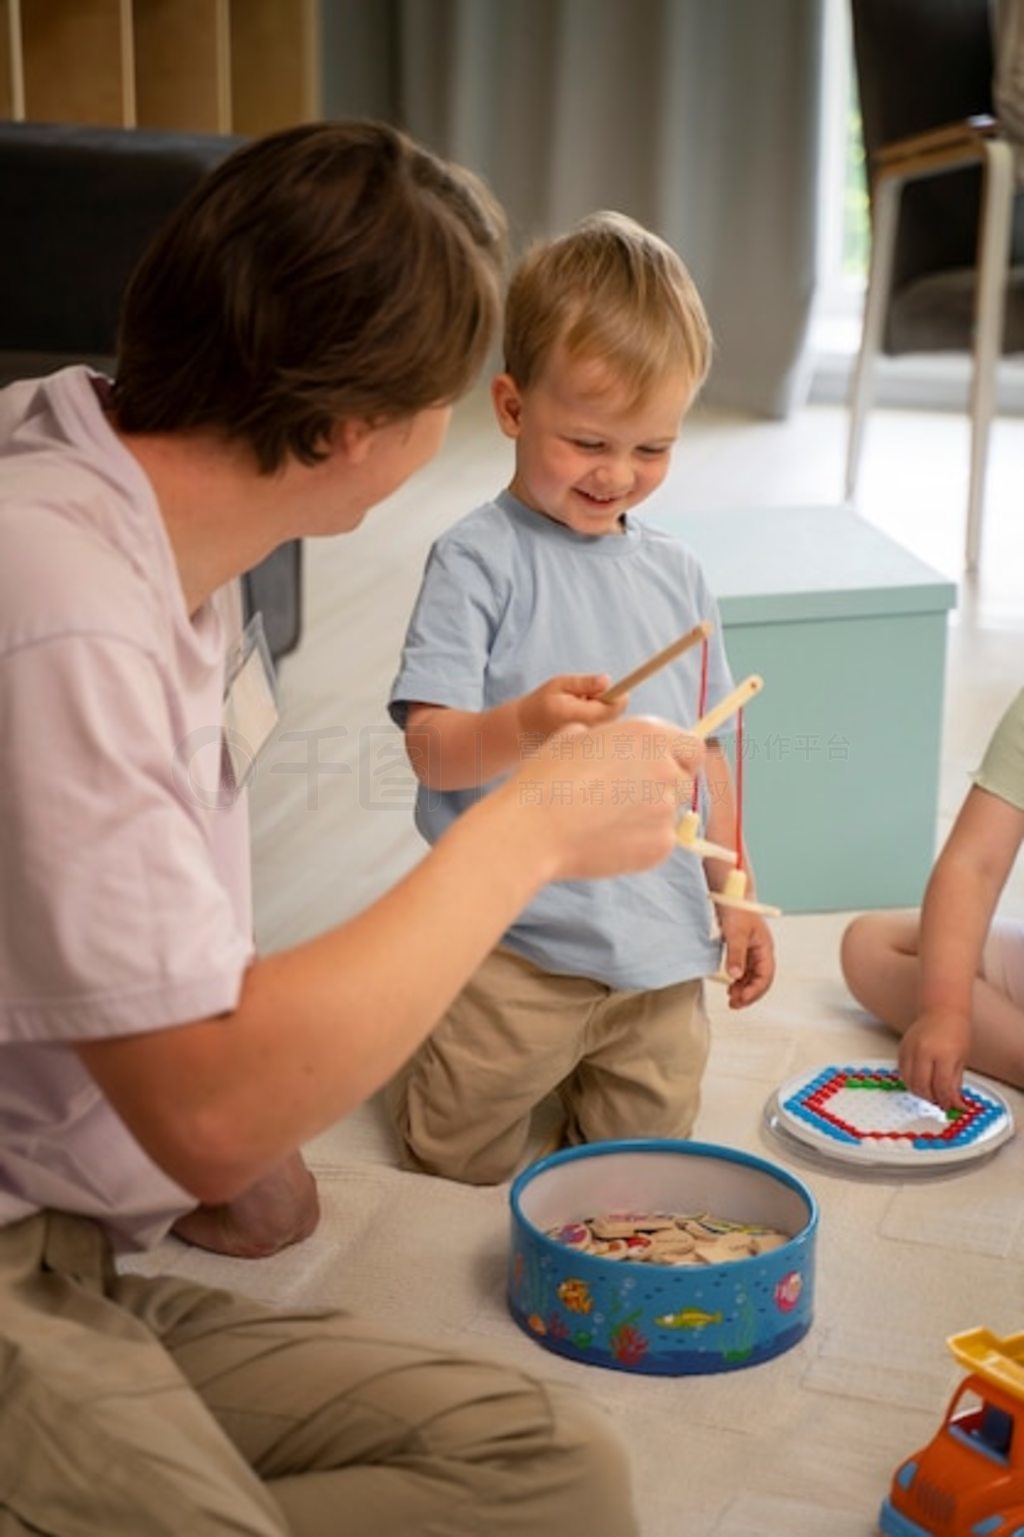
x=77, y=206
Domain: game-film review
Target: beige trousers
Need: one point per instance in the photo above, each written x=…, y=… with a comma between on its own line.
x=132, y=1407
x=625, y=1064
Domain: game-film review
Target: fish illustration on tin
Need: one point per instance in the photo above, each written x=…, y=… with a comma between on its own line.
x=787, y=1292
x=688, y=1318
x=576, y=1296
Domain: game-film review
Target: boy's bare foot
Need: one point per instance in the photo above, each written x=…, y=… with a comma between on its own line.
x=280, y=1209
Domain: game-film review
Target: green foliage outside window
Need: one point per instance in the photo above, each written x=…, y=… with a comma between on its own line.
x=856, y=216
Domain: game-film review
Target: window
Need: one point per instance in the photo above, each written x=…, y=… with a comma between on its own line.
x=843, y=223
x=982, y=1425
x=927, y=381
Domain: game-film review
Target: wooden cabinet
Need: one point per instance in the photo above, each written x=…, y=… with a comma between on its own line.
x=209, y=66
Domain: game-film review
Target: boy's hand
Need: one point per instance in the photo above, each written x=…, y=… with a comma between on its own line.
x=932, y=1057
x=749, y=955
x=572, y=699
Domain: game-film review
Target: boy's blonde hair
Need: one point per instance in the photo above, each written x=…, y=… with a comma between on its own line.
x=611, y=292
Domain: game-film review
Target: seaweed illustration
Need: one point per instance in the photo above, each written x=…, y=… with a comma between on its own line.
x=625, y=1342
x=745, y=1335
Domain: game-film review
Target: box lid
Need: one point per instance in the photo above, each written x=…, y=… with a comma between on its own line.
x=785, y=564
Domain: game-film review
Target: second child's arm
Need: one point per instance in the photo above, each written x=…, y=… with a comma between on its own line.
x=959, y=902
x=455, y=749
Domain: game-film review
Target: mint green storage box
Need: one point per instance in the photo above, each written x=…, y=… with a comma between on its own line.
x=841, y=750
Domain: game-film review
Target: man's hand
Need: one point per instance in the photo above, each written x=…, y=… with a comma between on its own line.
x=282, y=1208
x=749, y=955
x=932, y=1057
x=602, y=802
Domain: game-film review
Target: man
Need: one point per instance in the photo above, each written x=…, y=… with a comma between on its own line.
x=289, y=351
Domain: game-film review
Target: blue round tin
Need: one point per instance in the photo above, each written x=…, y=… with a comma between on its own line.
x=660, y=1319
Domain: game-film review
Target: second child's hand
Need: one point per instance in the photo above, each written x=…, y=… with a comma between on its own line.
x=933, y=1055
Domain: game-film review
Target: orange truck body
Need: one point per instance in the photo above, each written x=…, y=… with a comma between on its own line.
x=969, y=1480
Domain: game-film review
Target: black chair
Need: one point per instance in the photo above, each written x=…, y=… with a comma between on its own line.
x=947, y=229
x=78, y=206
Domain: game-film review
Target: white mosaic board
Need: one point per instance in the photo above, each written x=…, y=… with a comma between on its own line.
x=861, y=1114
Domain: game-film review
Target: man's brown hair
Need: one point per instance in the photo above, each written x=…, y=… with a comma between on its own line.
x=333, y=271
x=612, y=292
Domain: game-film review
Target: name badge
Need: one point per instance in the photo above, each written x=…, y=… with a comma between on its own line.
x=250, y=702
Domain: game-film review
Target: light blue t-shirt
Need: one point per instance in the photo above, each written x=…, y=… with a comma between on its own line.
x=511, y=598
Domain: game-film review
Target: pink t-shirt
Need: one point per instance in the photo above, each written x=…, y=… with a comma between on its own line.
x=126, y=892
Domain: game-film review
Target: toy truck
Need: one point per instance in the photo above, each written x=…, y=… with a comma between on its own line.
x=969, y=1480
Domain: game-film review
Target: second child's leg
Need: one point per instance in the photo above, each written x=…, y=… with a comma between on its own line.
x=642, y=1067
x=879, y=958
x=462, y=1105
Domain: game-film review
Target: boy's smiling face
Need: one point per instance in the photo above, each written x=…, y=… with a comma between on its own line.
x=586, y=452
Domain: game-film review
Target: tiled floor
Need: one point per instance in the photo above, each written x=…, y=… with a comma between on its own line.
x=802, y=1446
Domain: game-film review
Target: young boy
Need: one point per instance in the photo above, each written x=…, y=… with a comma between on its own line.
x=595, y=991
x=950, y=979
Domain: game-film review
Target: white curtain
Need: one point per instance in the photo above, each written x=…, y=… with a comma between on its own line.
x=697, y=117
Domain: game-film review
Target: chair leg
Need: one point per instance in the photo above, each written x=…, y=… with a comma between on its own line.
x=884, y=219
x=990, y=303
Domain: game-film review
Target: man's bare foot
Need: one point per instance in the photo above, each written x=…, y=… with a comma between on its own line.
x=280, y=1209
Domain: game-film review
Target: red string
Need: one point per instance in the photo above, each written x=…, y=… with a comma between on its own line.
x=739, y=789
x=702, y=704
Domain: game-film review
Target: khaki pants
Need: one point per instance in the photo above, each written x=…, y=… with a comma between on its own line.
x=625, y=1064
x=132, y=1407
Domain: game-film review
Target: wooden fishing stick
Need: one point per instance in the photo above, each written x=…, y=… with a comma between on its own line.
x=728, y=706
x=688, y=831
x=655, y=663
x=734, y=892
